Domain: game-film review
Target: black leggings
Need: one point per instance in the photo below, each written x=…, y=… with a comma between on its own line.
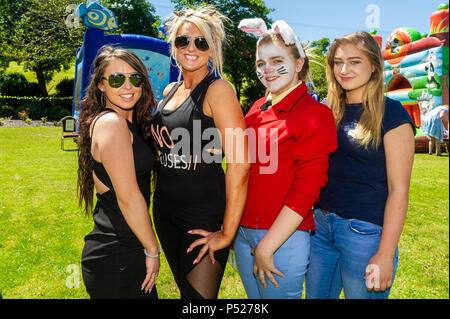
x=119, y=276
x=199, y=281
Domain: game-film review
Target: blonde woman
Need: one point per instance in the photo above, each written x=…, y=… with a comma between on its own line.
x=361, y=211
x=196, y=206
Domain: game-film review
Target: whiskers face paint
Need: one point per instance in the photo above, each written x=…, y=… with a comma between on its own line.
x=275, y=67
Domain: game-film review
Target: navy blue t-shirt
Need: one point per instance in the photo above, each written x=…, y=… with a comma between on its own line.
x=357, y=180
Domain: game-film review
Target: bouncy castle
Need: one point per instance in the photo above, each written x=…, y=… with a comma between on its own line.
x=154, y=53
x=416, y=67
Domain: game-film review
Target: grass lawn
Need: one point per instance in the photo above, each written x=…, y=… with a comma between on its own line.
x=42, y=228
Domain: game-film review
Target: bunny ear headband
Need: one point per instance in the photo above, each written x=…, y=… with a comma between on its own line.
x=258, y=27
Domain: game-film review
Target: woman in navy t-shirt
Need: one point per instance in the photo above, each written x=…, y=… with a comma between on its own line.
x=361, y=212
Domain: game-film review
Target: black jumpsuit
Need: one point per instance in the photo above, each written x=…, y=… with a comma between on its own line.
x=113, y=260
x=190, y=190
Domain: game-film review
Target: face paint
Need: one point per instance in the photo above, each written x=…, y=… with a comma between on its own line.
x=275, y=67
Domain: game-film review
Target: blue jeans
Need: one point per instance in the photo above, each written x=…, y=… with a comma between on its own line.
x=340, y=251
x=291, y=259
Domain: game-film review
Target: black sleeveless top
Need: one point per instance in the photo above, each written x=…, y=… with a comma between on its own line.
x=111, y=234
x=189, y=175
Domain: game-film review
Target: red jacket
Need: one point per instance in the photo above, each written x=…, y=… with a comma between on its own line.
x=306, y=135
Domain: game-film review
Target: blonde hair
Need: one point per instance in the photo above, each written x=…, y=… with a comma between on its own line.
x=368, y=130
x=210, y=22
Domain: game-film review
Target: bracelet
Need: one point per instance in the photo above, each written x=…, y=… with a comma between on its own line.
x=153, y=256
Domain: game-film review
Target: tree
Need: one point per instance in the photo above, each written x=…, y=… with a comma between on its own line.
x=10, y=11
x=134, y=16
x=318, y=67
x=239, y=50
x=36, y=35
x=321, y=46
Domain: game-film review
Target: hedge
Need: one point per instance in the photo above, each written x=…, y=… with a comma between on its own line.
x=52, y=107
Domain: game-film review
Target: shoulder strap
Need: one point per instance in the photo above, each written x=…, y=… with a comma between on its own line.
x=202, y=89
x=169, y=95
x=106, y=111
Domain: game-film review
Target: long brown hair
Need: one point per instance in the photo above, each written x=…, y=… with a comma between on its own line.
x=94, y=103
x=368, y=130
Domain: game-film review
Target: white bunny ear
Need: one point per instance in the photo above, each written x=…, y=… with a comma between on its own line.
x=288, y=35
x=286, y=32
x=255, y=26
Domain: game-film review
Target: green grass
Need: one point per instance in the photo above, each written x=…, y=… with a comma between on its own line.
x=42, y=229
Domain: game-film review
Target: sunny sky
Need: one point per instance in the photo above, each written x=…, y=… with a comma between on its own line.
x=316, y=19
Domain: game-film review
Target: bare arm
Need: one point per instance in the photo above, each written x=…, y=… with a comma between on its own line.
x=399, y=150
x=224, y=107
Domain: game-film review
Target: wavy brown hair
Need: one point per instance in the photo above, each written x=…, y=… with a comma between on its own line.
x=94, y=103
x=368, y=130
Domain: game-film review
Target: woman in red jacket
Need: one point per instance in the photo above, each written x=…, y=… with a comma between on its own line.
x=272, y=244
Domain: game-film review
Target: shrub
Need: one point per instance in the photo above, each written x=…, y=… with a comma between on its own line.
x=37, y=109
x=15, y=84
x=57, y=112
x=64, y=87
x=7, y=111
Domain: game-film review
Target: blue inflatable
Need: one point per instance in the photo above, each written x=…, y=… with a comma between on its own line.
x=155, y=53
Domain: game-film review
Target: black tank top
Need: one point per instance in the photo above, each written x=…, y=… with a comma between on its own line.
x=111, y=234
x=189, y=176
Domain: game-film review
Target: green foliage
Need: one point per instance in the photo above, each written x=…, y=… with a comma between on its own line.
x=35, y=34
x=318, y=76
x=134, y=16
x=251, y=92
x=320, y=47
x=16, y=84
x=318, y=66
x=65, y=87
x=7, y=111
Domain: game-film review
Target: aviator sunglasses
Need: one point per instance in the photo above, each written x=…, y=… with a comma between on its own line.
x=182, y=42
x=116, y=80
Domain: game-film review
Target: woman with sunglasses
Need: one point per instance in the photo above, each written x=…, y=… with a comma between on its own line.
x=196, y=206
x=120, y=258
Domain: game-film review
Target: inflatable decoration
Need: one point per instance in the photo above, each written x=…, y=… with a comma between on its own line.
x=97, y=16
x=378, y=38
x=416, y=66
x=153, y=52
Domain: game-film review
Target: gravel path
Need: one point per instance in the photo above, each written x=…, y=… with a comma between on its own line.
x=20, y=123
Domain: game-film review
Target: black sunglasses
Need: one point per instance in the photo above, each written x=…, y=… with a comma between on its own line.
x=182, y=41
x=116, y=80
